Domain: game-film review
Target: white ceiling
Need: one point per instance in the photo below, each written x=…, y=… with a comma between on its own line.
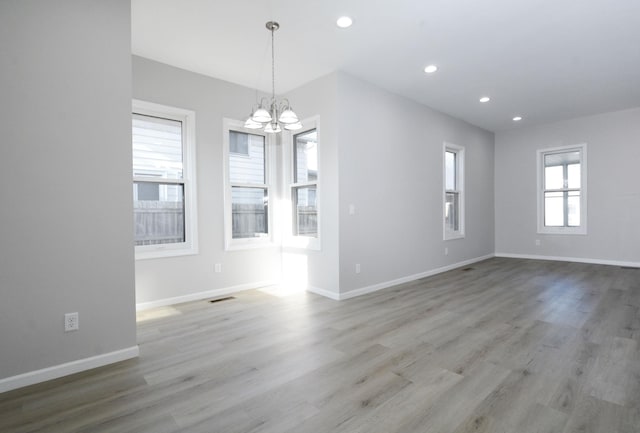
x=545, y=60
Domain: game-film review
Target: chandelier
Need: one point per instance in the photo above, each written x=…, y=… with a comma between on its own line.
x=273, y=115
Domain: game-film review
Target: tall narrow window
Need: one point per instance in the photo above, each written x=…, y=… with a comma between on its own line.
x=561, y=190
x=453, y=191
x=163, y=198
x=248, y=186
x=304, y=189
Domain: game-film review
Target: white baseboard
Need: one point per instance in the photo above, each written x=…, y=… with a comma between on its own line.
x=322, y=292
x=202, y=295
x=570, y=259
x=374, y=288
x=49, y=373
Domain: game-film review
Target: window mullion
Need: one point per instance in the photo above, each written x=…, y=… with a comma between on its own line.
x=161, y=180
x=561, y=190
x=302, y=184
x=249, y=185
x=565, y=194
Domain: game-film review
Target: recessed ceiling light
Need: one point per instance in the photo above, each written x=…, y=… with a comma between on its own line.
x=517, y=118
x=430, y=69
x=485, y=99
x=344, y=22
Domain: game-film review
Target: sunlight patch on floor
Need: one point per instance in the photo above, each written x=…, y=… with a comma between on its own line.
x=283, y=290
x=156, y=313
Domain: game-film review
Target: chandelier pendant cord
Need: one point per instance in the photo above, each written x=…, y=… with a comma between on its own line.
x=273, y=65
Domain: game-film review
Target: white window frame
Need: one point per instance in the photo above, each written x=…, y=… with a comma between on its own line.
x=460, y=163
x=188, y=120
x=257, y=242
x=289, y=238
x=540, y=190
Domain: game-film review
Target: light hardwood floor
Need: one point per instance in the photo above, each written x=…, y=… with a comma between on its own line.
x=508, y=346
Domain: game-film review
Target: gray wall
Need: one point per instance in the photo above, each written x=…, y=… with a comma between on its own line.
x=212, y=100
x=65, y=169
x=613, y=214
x=390, y=168
x=390, y=153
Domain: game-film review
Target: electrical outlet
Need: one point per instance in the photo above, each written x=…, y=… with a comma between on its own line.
x=537, y=242
x=357, y=268
x=71, y=322
x=218, y=267
x=446, y=251
x=352, y=209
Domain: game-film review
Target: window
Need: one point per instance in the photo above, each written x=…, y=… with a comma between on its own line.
x=302, y=187
x=246, y=153
x=453, y=191
x=163, y=152
x=562, y=190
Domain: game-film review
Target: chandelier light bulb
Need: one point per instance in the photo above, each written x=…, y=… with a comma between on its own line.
x=272, y=128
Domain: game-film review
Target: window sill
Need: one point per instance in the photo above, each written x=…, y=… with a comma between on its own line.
x=303, y=242
x=237, y=245
x=453, y=236
x=160, y=252
x=562, y=231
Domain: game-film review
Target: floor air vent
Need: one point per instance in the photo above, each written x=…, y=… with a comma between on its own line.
x=629, y=267
x=468, y=269
x=228, y=298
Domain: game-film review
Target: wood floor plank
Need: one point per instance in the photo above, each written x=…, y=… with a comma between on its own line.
x=593, y=415
x=409, y=402
x=455, y=405
x=502, y=346
x=615, y=375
